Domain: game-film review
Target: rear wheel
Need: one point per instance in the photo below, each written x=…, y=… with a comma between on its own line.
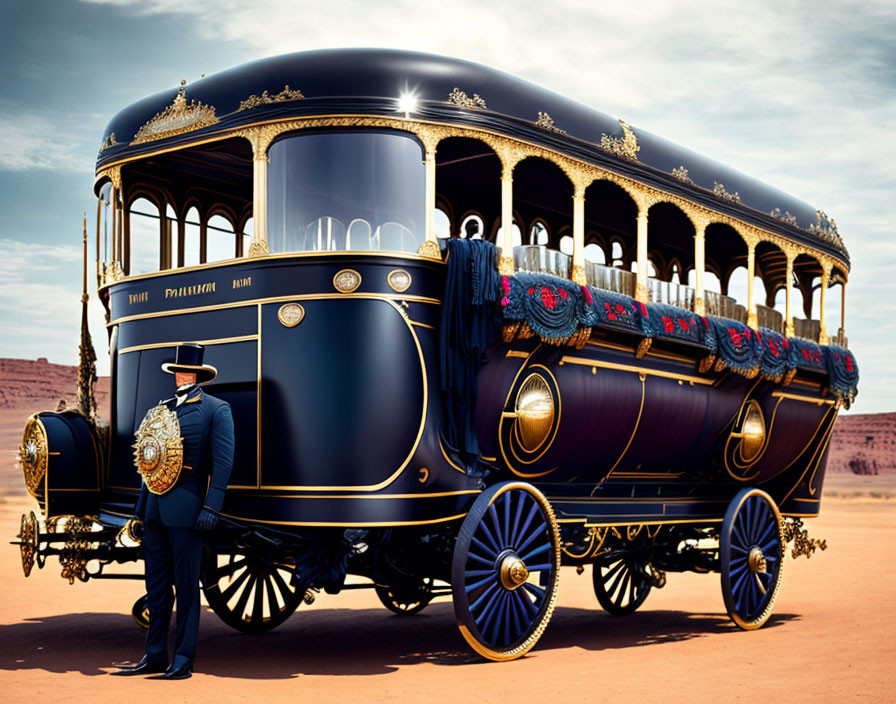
x=751, y=554
x=621, y=582
x=248, y=590
x=408, y=599
x=505, y=570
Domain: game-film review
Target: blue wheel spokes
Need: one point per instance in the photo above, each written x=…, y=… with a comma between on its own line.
x=537, y=551
x=770, y=545
x=490, y=537
x=535, y=533
x=528, y=520
x=496, y=524
x=535, y=591
x=515, y=533
x=484, y=548
x=526, y=603
x=478, y=573
x=539, y=568
x=494, y=589
x=480, y=583
x=507, y=535
x=472, y=555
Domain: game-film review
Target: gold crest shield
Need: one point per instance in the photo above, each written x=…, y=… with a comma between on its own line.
x=159, y=450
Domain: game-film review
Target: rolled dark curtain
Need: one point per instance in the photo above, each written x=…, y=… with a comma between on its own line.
x=470, y=323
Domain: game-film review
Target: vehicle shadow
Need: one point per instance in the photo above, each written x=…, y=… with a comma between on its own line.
x=331, y=641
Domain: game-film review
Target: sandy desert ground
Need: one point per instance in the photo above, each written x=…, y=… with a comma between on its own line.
x=831, y=638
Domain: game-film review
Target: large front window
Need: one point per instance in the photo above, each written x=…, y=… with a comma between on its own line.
x=337, y=191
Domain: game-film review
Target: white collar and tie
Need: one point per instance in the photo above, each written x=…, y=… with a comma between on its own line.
x=182, y=393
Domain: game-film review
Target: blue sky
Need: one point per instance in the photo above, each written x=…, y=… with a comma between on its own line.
x=801, y=95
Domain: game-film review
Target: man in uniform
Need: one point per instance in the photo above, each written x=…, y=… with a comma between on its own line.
x=173, y=521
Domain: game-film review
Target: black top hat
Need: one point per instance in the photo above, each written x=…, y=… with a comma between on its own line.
x=188, y=358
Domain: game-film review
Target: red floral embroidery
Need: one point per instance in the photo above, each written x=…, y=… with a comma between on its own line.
x=610, y=314
x=505, y=285
x=505, y=301
x=734, y=335
x=849, y=366
x=531, y=291
x=548, y=298
x=620, y=309
x=668, y=325
x=705, y=322
x=683, y=324
x=587, y=294
x=774, y=348
x=643, y=309
x=563, y=294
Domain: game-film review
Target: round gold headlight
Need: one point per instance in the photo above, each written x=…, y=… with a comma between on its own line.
x=752, y=432
x=34, y=454
x=534, y=412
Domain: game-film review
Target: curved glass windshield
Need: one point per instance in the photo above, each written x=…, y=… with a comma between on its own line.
x=338, y=191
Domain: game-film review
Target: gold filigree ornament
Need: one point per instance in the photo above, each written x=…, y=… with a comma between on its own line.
x=177, y=118
x=259, y=248
x=34, y=455
x=546, y=122
x=459, y=97
x=347, y=280
x=430, y=250
x=626, y=146
x=399, y=280
x=291, y=314
x=159, y=450
x=284, y=96
x=681, y=173
x=722, y=192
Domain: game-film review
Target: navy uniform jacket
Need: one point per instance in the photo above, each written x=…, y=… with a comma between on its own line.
x=206, y=426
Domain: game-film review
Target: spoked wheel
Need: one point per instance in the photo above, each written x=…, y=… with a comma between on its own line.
x=406, y=600
x=751, y=554
x=248, y=590
x=621, y=582
x=140, y=612
x=505, y=570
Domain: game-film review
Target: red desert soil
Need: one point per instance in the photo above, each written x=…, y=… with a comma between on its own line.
x=830, y=639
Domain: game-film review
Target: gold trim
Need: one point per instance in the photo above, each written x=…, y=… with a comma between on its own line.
x=632, y=436
x=275, y=299
x=349, y=524
x=434, y=495
x=265, y=257
x=347, y=281
x=399, y=286
x=422, y=325
x=448, y=459
x=517, y=353
x=216, y=341
x=804, y=399
x=284, y=96
x=566, y=359
x=371, y=487
x=548, y=442
x=429, y=249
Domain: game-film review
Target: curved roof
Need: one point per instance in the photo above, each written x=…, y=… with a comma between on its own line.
x=369, y=81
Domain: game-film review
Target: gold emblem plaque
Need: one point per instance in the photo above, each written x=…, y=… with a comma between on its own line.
x=159, y=450
x=347, y=280
x=291, y=314
x=399, y=280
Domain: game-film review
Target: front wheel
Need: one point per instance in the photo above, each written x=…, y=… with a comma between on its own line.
x=751, y=554
x=505, y=570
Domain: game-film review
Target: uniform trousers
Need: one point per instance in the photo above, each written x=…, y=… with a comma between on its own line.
x=171, y=557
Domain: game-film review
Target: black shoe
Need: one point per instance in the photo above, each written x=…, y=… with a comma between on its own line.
x=144, y=667
x=182, y=673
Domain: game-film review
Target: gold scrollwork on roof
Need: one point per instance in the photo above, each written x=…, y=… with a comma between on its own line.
x=722, y=192
x=546, y=122
x=179, y=117
x=785, y=216
x=109, y=142
x=682, y=175
x=284, y=96
x=459, y=97
x=626, y=146
x=826, y=228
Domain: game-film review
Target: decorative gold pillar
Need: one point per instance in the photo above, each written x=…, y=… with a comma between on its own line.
x=699, y=265
x=578, y=235
x=641, y=280
x=752, y=318
x=505, y=266
x=260, y=138
x=430, y=170
x=823, y=337
x=788, y=329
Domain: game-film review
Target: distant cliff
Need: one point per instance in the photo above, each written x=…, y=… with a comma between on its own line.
x=37, y=385
x=864, y=444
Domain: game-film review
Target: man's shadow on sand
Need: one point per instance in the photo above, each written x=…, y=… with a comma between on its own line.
x=332, y=641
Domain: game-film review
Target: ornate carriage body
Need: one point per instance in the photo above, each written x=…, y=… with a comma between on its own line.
x=424, y=386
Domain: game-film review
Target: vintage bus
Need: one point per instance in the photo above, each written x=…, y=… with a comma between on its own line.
x=470, y=331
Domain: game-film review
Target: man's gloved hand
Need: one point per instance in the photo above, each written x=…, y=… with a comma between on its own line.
x=207, y=520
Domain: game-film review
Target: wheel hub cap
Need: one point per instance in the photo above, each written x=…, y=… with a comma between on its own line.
x=756, y=560
x=513, y=572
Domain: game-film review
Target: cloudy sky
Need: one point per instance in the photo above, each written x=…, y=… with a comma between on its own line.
x=799, y=94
